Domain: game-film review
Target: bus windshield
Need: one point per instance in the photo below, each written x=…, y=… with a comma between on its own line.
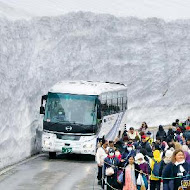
x=69, y=108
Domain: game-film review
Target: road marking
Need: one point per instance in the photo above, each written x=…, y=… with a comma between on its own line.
x=5, y=170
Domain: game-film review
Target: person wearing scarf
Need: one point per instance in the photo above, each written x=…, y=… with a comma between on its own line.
x=130, y=174
x=111, y=161
x=143, y=166
x=178, y=169
x=129, y=151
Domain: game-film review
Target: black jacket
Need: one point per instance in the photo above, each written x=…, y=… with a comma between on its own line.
x=171, y=171
x=146, y=146
x=170, y=134
x=161, y=134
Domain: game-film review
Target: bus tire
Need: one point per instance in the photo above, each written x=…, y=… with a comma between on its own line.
x=52, y=155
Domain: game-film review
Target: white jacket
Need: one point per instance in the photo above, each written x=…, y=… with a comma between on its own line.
x=132, y=136
x=100, y=156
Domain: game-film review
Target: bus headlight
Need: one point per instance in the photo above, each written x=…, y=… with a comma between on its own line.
x=47, y=143
x=88, y=146
x=48, y=140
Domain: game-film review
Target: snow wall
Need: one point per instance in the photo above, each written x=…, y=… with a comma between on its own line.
x=151, y=56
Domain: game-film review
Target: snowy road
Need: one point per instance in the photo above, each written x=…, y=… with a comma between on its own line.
x=64, y=173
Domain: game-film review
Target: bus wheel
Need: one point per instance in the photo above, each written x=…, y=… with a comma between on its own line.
x=52, y=155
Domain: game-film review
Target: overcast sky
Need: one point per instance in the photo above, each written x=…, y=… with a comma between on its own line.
x=166, y=9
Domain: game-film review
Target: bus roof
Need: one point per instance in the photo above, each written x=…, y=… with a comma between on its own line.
x=86, y=87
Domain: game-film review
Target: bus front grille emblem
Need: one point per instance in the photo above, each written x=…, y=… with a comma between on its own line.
x=68, y=128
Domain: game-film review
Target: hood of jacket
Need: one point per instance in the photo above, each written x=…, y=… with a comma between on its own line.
x=157, y=155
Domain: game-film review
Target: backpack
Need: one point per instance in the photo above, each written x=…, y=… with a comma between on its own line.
x=156, y=168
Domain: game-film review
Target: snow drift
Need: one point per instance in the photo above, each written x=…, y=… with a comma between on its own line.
x=151, y=56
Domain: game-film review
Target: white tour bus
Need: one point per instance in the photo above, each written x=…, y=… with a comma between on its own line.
x=78, y=113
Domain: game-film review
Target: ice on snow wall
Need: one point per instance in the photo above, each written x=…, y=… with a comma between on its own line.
x=151, y=56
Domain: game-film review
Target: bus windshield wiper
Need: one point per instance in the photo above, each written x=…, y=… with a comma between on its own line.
x=65, y=122
x=58, y=122
x=74, y=122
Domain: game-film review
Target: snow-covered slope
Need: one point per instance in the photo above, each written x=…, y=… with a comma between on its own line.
x=151, y=56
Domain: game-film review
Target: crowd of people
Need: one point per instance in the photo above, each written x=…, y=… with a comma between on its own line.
x=137, y=161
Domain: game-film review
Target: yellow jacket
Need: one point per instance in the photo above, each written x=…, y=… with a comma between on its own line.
x=150, y=140
x=157, y=157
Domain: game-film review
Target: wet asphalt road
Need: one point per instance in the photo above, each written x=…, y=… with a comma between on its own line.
x=71, y=172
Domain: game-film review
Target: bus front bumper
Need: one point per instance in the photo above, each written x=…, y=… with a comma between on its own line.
x=50, y=143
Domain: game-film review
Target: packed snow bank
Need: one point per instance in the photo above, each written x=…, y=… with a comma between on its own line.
x=151, y=56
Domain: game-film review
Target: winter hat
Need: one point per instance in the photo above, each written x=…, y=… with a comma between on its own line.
x=148, y=133
x=111, y=153
x=161, y=128
x=138, y=156
x=188, y=128
x=185, y=148
x=169, y=153
x=143, y=137
x=157, y=155
x=111, y=150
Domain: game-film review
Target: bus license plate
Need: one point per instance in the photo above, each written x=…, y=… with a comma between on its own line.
x=66, y=150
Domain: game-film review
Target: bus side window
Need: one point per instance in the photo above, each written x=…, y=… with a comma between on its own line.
x=120, y=103
x=109, y=102
x=109, y=108
x=125, y=103
x=114, y=103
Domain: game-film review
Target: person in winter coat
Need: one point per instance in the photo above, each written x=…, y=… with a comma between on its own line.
x=166, y=160
x=178, y=135
x=170, y=134
x=157, y=143
x=111, y=161
x=154, y=181
x=161, y=133
x=130, y=176
x=129, y=151
x=145, y=145
x=143, y=165
x=182, y=127
x=149, y=138
x=122, y=143
x=118, y=154
x=178, y=170
x=187, y=122
x=101, y=154
x=143, y=128
x=132, y=134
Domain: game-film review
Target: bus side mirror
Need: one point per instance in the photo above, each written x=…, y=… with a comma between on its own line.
x=99, y=111
x=42, y=110
x=99, y=115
